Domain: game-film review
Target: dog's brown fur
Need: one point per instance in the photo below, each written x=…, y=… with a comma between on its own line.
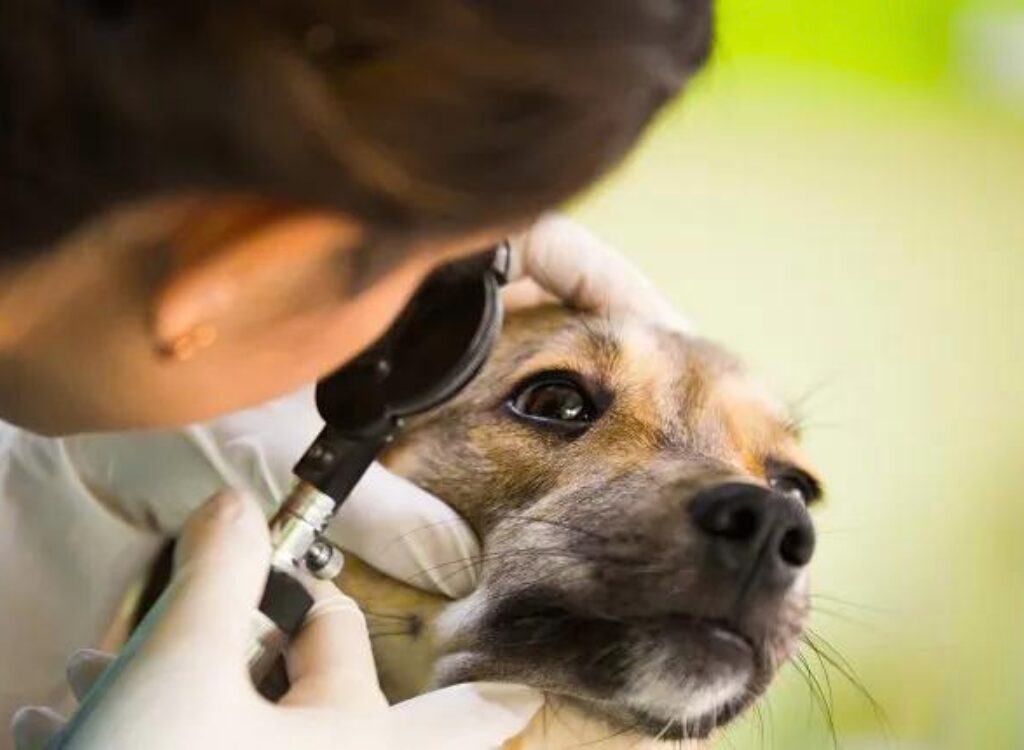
x=590, y=528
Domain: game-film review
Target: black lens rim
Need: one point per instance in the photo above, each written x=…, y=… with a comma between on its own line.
x=371, y=394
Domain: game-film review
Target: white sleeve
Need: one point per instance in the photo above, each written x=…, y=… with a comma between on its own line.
x=155, y=479
x=65, y=565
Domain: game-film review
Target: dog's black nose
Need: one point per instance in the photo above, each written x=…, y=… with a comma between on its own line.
x=748, y=525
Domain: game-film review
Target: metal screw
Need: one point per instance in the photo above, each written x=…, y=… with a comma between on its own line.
x=324, y=560
x=323, y=456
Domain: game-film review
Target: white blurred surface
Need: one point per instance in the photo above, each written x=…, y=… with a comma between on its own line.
x=988, y=49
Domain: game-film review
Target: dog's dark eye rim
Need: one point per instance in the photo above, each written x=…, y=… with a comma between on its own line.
x=591, y=406
x=789, y=479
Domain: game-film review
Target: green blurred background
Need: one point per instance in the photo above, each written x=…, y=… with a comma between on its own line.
x=840, y=198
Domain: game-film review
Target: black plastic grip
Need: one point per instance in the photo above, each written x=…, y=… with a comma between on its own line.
x=335, y=462
x=285, y=601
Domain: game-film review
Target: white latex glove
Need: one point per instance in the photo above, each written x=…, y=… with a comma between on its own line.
x=560, y=259
x=181, y=686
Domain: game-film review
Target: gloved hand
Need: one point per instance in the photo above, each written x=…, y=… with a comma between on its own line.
x=81, y=514
x=559, y=260
x=182, y=686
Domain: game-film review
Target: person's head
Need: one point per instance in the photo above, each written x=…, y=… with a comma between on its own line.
x=203, y=205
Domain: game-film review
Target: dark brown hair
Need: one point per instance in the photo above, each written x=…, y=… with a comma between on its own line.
x=411, y=115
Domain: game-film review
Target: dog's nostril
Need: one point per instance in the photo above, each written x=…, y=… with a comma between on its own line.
x=732, y=512
x=797, y=545
x=740, y=520
x=739, y=525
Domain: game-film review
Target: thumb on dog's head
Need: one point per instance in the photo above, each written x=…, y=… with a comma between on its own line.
x=567, y=262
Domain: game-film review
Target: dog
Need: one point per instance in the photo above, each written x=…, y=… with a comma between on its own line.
x=643, y=507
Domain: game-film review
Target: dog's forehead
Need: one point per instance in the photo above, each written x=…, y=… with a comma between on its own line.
x=621, y=347
x=675, y=383
x=628, y=351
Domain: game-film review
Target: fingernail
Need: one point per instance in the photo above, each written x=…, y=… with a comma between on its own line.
x=85, y=656
x=85, y=668
x=34, y=727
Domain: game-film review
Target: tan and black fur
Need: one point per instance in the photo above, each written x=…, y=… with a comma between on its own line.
x=597, y=584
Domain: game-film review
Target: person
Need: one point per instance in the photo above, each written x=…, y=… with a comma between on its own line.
x=118, y=493
x=206, y=206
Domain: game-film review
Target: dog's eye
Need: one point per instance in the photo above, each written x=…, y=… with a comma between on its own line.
x=556, y=402
x=562, y=401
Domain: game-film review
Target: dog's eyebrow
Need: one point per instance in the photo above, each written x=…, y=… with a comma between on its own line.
x=602, y=347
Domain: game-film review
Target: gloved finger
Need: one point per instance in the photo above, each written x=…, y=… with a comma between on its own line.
x=408, y=534
x=34, y=726
x=84, y=668
x=525, y=293
x=581, y=271
x=330, y=663
x=221, y=564
x=470, y=716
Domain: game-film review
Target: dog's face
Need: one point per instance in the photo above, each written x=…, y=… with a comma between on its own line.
x=642, y=506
